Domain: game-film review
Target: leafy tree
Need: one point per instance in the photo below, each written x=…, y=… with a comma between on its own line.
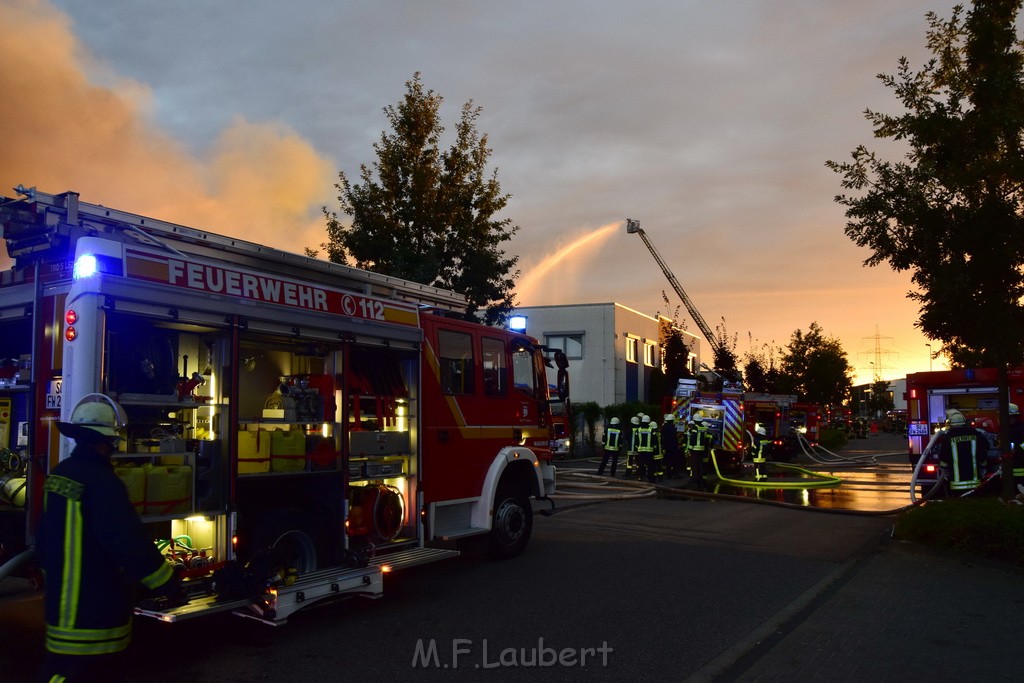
x=950, y=212
x=726, y=361
x=675, y=351
x=591, y=414
x=879, y=401
x=427, y=214
x=817, y=367
x=760, y=372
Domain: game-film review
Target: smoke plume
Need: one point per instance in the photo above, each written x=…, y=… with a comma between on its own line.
x=62, y=130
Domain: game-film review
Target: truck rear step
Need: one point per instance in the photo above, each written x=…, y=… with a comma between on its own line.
x=325, y=583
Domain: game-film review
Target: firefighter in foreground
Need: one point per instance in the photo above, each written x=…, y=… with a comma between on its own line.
x=612, y=439
x=962, y=455
x=698, y=442
x=93, y=549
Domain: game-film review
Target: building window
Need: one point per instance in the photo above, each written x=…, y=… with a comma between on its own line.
x=631, y=349
x=572, y=344
x=649, y=357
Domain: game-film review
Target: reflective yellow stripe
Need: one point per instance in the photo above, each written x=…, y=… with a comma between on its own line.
x=958, y=484
x=159, y=577
x=61, y=647
x=84, y=634
x=57, y=678
x=88, y=641
x=71, y=575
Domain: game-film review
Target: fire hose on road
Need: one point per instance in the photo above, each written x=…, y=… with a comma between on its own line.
x=583, y=487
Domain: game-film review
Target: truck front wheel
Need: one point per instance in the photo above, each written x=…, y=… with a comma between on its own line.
x=511, y=525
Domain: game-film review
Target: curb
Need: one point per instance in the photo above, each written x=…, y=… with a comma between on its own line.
x=731, y=663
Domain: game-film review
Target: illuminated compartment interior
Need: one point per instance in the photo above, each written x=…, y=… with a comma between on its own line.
x=196, y=543
x=382, y=471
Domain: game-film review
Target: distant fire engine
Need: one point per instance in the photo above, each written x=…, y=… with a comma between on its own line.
x=785, y=419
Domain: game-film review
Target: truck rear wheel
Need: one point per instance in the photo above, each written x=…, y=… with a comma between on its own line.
x=289, y=534
x=511, y=524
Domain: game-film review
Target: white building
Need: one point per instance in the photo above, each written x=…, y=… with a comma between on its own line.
x=612, y=349
x=861, y=393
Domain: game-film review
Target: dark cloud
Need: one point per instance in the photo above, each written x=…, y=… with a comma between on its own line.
x=709, y=122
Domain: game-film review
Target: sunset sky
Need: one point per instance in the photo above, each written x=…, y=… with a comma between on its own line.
x=708, y=122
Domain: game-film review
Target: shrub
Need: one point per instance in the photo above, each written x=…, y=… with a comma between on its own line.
x=983, y=527
x=832, y=439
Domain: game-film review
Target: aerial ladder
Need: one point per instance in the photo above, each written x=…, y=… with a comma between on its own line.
x=633, y=227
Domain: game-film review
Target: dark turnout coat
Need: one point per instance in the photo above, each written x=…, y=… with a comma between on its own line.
x=93, y=549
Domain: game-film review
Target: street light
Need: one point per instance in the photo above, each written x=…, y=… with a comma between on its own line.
x=929, y=357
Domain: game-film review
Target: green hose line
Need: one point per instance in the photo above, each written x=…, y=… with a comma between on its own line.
x=183, y=541
x=818, y=482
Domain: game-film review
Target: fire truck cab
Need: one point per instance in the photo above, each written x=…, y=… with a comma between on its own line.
x=336, y=419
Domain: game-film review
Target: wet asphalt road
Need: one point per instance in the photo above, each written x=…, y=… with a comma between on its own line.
x=644, y=589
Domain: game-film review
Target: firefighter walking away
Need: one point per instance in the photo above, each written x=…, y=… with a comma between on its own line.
x=93, y=551
x=962, y=455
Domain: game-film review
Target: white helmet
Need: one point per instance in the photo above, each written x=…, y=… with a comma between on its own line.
x=96, y=415
x=698, y=418
x=634, y=420
x=761, y=430
x=955, y=418
x=614, y=421
x=645, y=419
x=669, y=417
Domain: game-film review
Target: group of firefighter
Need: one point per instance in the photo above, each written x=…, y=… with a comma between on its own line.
x=656, y=452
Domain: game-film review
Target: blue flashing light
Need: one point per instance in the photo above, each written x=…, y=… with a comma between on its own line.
x=85, y=266
x=517, y=323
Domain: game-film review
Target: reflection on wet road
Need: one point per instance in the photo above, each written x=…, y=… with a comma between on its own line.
x=870, y=484
x=866, y=487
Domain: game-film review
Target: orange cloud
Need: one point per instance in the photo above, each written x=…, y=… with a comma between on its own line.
x=259, y=181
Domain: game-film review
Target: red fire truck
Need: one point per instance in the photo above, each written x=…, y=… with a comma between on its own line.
x=785, y=419
x=974, y=392
x=280, y=406
x=721, y=412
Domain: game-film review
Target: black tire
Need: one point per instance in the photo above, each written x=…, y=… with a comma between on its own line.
x=291, y=533
x=511, y=524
